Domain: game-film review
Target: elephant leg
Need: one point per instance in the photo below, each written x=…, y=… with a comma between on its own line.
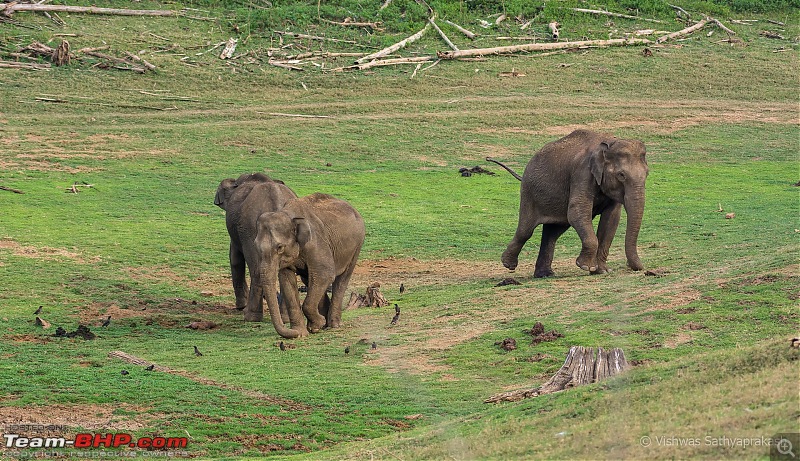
x=606, y=229
x=337, y=295
x=237, y=277
x=325, y=304
x=282, y=307
x=527, y=223
x=544, y=262
x=254, y=312
x=291, y=301
x=317, y=290
x=580, y=218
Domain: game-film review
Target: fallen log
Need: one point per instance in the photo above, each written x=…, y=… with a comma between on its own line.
x=583, y=365
x=615, y=15
x=10, y=189
x=391, y=49
x=699, y=25
x=7, y=9
x=24, y=65
x=541, y=47
x=464, y=31
x=444, y=37
x=388, y=62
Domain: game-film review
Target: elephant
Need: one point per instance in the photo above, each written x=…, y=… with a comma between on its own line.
x=570, y=181
x=244, y=200
x=319, y=237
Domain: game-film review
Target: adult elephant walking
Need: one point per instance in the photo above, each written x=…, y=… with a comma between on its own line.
x=569, y=182
x=244, y=200
x=318, y=236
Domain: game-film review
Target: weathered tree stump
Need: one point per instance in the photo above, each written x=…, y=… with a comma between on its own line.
x=61, y=54
x=373, y=298
x=583, y=365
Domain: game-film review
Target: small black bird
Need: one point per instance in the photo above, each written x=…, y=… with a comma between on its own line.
x=106, y=322
x=402, y=288
x=124, y=372
x=374, y=345
x=282, y=346
x=197, y=352
x=151, y=367
x=347, y=350
x=396, y=308
x=38, y=311
x=395, y=318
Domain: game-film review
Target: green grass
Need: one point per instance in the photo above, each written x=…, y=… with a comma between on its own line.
x=145, y=242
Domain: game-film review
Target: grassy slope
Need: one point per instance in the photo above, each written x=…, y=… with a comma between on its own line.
x=148, y=234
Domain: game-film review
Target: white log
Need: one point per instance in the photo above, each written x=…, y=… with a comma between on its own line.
x=9, y=8
x=391, y=49
x=541, y=47
x=683, y=32
x=464, y=31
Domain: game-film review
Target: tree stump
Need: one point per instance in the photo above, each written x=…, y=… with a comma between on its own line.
x=583, y=365
x=61, y=54
x=373, y=298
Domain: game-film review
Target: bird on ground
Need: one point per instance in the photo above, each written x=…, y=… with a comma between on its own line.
x=151, y=367
x=106, y=322
x=347, y=350
x=197, y=352
x=402, y=288
x=395, y=318
x=396, y=308
x=38, y=311
x=282, y=346
x=124, y=372
x=374, y=345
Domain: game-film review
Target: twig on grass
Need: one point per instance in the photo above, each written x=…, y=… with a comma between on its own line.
x=10, y=189
x=391, y=49
x=280, y=114
x=464, y=31
x=615, y=15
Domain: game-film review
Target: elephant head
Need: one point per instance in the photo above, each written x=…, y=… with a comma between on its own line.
x=279, y=240
x=620, y=169
x=228, y=186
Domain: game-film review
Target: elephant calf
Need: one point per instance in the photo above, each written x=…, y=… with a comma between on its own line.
x=318, y=237
x=569, y=182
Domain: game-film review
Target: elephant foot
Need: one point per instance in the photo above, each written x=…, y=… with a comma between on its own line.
x=315, y=327
x=586, y=263
x=601, y=270
x=636, y=265
x=509, y=261
x=240, y=308
x=544, y=273
x=253, y=316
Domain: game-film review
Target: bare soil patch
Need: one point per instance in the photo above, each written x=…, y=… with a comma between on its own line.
x=86, y=416
x=45, y=253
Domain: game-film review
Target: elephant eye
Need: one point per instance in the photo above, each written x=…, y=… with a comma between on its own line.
x=621, y=176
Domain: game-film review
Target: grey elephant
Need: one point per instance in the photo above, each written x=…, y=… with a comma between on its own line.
x=244, y=200
x=569, y=182
x=318, y=237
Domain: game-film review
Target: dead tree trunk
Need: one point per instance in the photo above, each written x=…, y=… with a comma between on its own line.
x=541, y=47
x=8, y=9
x=583, y=365
x=61, y=54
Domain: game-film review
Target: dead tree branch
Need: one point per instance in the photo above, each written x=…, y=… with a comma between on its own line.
x=541, y=47
x=391, y=49
x=8, y=9
x=444, y=37
x=16, y=191
x=464, y=31
x=615, y=15
x=683, y=32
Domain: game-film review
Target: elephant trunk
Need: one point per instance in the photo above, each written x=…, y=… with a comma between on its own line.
x=269, y=279
x=634, y=208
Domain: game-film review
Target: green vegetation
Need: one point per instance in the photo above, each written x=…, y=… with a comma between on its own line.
x=146, y=245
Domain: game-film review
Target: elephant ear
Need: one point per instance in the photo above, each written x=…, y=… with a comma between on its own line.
x=597, y=161
x=223, y=191
x=302, y=230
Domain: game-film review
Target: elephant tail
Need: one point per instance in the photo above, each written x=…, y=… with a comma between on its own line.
x=513, y=173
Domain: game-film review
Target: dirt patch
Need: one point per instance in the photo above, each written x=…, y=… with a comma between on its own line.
x=678, y=340
x=161, y=313
x=672, y=301
x=86, y=416
x=27, y=338
x=45, y=253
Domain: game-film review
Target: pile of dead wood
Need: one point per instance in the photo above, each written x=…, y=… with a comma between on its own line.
x=62, y=55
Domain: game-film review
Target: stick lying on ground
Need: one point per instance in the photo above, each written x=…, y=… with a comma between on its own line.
x=541, y=46
x=615, y=15
x=8, y=9
x=469, y=34
x=391, y=49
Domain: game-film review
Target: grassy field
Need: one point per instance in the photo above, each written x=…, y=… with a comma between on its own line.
x=146, y=245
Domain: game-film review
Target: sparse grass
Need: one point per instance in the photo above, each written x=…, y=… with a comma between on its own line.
x=720, y=124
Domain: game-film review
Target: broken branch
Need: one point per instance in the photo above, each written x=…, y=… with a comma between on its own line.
x=391, y=49
x=683, y=32
x=615, y=15
x=464, y=31
x=541, y=47
x=8, y=9
x=441, y=34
